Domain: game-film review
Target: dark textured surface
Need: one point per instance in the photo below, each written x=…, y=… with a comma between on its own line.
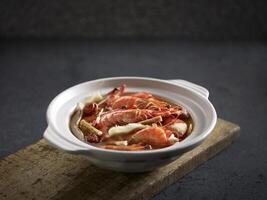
x=33, y=72
x=245, y=19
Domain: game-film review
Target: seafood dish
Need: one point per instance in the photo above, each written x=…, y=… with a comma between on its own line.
x=130, y=121
x=137, y=128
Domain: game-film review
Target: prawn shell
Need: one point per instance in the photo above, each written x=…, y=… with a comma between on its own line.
x=154, y=136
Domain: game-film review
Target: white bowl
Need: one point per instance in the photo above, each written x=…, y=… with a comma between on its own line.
x=191, y=96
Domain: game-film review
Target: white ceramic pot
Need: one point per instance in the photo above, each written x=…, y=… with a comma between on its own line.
x=191, y=96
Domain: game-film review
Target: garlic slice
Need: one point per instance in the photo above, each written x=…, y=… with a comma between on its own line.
x=118, y=130
x=179, y=127
x=173, y=139
x=97, y=97
x=74, y=121
x=121, y=143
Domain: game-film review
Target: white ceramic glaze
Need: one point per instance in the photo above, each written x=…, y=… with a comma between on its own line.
x=193, y=97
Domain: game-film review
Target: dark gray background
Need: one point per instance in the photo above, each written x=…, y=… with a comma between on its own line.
x=33, y=72
x=205, y=19
x=47, y=46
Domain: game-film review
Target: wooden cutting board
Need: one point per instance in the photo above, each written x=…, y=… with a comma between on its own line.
x=40, y=171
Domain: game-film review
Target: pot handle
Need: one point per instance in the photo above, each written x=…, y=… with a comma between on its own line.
x=61, y=143
x=199, y=89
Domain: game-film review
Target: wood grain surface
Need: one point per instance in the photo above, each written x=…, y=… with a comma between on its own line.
x=41, y=171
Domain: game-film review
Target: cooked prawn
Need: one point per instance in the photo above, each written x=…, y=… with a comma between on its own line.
x=131, y=102
x=122, y=117
x=111, y=97
x=133, y=147
x=154, y=136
